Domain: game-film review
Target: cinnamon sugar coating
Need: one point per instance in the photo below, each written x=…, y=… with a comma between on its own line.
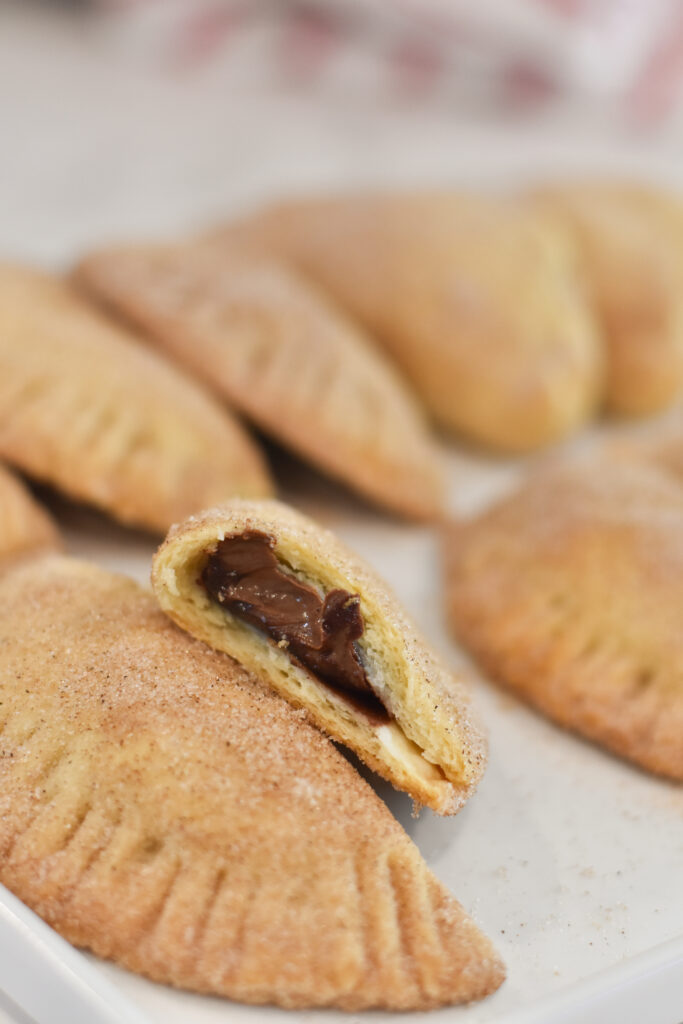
x=86, y=408
x=279, y=352
x=165, y=809
x=569, y=592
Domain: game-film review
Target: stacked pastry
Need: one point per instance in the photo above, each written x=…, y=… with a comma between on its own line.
x=476, y=299
x=88, y=409
x=630, y=243
x=147, y=444
x=276, y=350
x=515, y=319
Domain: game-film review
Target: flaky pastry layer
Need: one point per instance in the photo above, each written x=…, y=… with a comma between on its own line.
x=432, y=748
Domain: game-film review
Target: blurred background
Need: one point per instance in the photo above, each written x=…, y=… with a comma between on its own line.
x=139, y=117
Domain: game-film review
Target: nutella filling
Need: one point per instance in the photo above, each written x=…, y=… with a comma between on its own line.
x=244, y=575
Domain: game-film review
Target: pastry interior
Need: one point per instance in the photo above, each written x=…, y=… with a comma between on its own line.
x=359, y=672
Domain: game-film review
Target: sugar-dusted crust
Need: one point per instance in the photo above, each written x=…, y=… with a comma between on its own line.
x=86, y=408
x=631, y=244
x=165, y=809
x=570, y=591
x=430, y=706
x=279, y=352
x=25, y=527
x=477, y=299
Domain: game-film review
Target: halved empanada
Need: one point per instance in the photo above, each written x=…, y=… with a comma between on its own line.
x=285, y=598
x=279, y=352
x=86, y=408
x=631, y=244
x=570, y=592
x=477, y=299
x=25, y=527
x=165, y=809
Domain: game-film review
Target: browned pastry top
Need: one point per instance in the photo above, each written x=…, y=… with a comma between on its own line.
x=164, y=808
x=569, y=591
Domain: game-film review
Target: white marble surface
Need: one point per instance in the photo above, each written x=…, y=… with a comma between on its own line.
x=569, y=859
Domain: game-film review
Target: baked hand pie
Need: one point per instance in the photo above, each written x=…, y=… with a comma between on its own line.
x=165, y=809
x=477, y=299
x=569, y=592
x=286, y=599
x=87, y=409
x=262, y=338
x=25, y=527
x=631, y=244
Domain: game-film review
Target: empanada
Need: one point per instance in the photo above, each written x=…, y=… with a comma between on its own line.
x=25, y=527
x=165, y=809
x=631, y=244
x=285, y=598
x=86, y=408
x=265, y=340
x=477, y=299
x=570, y=591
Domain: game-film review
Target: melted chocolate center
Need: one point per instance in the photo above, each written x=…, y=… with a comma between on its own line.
x=244, y=575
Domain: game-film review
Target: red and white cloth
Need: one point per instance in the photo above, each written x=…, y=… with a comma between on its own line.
x=507, y=55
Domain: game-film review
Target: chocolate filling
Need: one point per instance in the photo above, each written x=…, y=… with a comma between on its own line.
x=244, y=575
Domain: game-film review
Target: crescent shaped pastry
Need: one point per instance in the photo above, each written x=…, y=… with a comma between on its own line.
x=477, y=300
x=164, y=809
x=278, y=352
x=25, y=527
x=286, y=599
x=631, y=244
x=87, y=409
x=569, y=592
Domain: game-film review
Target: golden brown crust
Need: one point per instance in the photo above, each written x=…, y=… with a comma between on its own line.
x=477, y=300
x=25, y=527
x=86, y=408
x=279, y=352
x=569, y=592
x=163, y=808
x=434, y=748
x=631, y=244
